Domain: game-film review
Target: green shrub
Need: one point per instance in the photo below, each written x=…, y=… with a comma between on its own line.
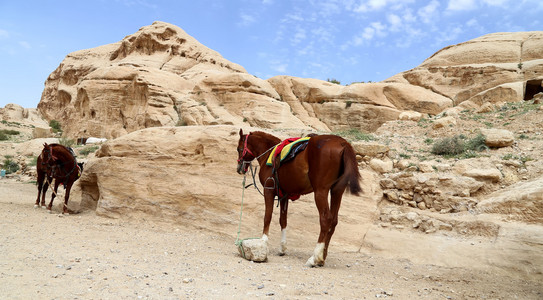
x=5, y=133
x=448, y=146
x=476, y=144
x=87, y=150
x=459, y=144
x=55, y=125
x=9, y=165
x=333, y=80
x=354, y=134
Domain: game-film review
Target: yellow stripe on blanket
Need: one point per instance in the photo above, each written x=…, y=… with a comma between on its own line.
x=285, y=151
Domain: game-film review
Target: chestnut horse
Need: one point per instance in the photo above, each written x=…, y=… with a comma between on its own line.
x=56, y=162
x=327, y=165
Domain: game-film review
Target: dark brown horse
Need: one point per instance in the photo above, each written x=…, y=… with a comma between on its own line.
x=327, y=165
x=56, y=162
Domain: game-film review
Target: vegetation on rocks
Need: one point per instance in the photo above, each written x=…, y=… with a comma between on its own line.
x=5, y=133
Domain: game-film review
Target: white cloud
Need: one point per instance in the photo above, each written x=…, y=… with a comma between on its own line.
x=456, y=5
x=25, y=44
x=4, y=33
x=298, y=37
x=323, y=34
x=279, y=66
x=473, y=23
x=374, y=5
x=394, y=21
x=429, y=12
x=496, y=2
x=246, y=19
x=375, y=29
x=448, y=35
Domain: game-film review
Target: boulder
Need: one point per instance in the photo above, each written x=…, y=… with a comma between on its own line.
x=41, y=132
x=410, y=116
x=444, y=122
x=485, y=69
x=371, y=149
x=254, y=250
x=381, y=166
x=497, y=138
x=478, y=168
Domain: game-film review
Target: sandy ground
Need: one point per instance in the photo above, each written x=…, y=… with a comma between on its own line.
x=85, y=256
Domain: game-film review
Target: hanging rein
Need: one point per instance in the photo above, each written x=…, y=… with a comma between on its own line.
x=254, y=170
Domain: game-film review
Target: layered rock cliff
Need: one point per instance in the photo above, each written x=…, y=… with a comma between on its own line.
x=161, y=76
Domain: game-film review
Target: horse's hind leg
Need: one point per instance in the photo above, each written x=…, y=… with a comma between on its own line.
x=66, y=197
x=321, y=200
x=335, y=203
x=283, y=223
x=53, y=196
x=268, y=201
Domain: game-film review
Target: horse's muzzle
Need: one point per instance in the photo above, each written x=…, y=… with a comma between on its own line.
x=243, y=166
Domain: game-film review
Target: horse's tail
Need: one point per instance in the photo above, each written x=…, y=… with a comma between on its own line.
x=351, y=175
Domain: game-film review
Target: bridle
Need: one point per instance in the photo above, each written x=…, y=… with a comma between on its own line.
x=245, y=151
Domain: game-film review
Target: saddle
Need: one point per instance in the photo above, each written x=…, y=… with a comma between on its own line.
x=282, y=153
x=287, y=150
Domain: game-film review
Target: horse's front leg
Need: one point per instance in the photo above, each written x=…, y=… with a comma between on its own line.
x=44, y=190
x=50, y=206
x=321, y=200
x=41, y=177
x=283, y=223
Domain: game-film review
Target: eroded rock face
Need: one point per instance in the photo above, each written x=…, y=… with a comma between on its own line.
x=16, y=113
x=158, y=76
x=492, y=68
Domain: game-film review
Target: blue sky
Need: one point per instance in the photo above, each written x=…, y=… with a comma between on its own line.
x=347, y=40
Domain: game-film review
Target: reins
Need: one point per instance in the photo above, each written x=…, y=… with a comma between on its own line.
x=238, y=242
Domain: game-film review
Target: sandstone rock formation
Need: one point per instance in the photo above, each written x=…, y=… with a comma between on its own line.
x=496, y=68
x=16, y=113
x=160, y=76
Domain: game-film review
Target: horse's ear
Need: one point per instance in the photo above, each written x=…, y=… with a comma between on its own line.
x=240, y=132
x=44, y=145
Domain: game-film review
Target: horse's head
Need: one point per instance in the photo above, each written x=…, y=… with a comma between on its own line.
x=245, y=155
x=46, y=154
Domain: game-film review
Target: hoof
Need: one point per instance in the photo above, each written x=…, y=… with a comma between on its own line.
x=311, y=263
x=36, y=206
x=49, y=211
x=282, y=250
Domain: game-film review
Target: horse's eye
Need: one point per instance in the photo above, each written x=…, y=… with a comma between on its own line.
x=240, y=150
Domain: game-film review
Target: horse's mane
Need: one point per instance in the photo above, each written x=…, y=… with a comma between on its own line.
x=267, y=136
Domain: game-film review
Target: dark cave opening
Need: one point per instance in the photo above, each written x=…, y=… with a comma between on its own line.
x=532, y=87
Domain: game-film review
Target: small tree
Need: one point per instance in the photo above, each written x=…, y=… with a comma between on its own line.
x=55, y=125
